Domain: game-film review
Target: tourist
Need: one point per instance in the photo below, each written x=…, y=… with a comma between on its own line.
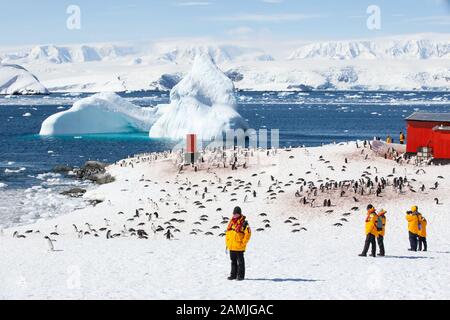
x=237, y=236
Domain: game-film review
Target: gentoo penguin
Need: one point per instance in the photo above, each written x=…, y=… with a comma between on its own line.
x=50, y=243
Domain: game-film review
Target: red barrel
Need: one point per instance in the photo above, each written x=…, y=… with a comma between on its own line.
x=191, y=143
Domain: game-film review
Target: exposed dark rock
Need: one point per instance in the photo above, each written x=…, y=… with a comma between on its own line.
x=74, y=192
x=301, y=87
x=234, y=75
x=62, y=169
x=94, y=171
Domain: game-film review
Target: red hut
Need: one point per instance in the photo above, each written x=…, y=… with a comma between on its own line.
x=429, y=132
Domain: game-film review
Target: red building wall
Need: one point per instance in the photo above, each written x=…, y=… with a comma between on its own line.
x=419, y=134
x=441, y=141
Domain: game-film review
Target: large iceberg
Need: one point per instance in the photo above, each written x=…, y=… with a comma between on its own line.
x=202, y=103
x=99, y=113
x=15, y=79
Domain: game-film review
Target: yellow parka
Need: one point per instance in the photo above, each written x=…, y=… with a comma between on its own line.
x=238, y=234
x=413, y=222
x=371, y=223
x=423, y=228
x=383, y=220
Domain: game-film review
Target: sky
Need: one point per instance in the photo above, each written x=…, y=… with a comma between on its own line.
x=28, y=22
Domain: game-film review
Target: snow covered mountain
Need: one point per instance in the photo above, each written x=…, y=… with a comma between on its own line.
x=69, y=54
x=219, y=53
x=413, y=62
x=407, y=48
x=15, y=79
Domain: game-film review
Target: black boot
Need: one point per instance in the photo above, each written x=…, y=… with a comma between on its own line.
x=231, y=278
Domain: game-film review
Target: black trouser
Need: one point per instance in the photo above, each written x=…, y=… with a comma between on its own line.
x=370, y=240
x=380, y=241
x=237, y=264
x=422, y=240
x=413, y=241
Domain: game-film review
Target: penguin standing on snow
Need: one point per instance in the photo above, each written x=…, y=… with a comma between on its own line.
x=50, y=243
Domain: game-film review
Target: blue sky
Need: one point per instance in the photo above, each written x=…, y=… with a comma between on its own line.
x=43, y=22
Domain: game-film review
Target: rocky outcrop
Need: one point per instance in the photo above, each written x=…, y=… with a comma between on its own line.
x=94, y=171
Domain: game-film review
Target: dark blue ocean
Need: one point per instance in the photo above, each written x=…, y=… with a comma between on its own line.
x=303, y=118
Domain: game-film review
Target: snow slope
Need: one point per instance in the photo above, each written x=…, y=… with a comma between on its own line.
x=320, y=262
x=202, y=103
x=100, y=113
x=15, y=79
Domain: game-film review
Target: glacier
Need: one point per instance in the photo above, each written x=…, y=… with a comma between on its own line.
x=15, y=79
x=99, y=113
x=202, y=103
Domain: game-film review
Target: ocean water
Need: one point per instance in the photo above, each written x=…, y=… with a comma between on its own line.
x=28, y=191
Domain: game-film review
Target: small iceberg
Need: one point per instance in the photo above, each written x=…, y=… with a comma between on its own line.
x=15, y=171
x=202, y=103
x=97, y=114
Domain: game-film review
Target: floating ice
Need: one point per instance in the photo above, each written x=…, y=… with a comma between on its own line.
x=15, y=171
x=3, y=185
x=202, y=103
x=100, y=113
x=26, y=114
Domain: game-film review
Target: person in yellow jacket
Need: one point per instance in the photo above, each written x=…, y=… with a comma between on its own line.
x=402, y=138
x=389, y=139
x=422, y=234
x=381, y=228
x=371, y=231
x=413, y=217
x=237, y=236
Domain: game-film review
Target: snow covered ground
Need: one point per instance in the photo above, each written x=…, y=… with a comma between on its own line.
x=320, y=262
x=410, y=62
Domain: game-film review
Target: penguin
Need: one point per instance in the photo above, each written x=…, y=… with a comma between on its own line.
x=50, y=243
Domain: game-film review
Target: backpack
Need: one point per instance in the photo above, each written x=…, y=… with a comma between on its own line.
x=379, y=224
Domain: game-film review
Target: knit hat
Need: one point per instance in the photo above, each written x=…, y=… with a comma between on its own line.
x=237, y=210
x=369, y=207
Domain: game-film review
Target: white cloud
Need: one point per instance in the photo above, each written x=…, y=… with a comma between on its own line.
x=436, y=20
x=240, y=31
x=193, y=3
x=266, y=17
